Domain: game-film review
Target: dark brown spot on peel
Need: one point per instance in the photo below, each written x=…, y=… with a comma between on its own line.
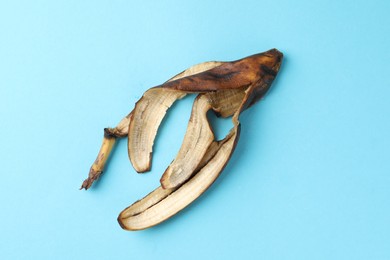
x=219, y=76
x=108, y=134
x=268, y=70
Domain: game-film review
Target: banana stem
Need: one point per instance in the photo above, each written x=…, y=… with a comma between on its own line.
x=98, y=166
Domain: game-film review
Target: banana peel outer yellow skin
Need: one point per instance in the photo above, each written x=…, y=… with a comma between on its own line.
x=226, y=88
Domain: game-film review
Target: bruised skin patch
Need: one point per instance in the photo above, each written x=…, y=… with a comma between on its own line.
x=227, y=88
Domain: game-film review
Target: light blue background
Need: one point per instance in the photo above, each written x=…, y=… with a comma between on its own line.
x=310, y=178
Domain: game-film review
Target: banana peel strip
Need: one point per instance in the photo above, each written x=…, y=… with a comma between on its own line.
x=227, y=88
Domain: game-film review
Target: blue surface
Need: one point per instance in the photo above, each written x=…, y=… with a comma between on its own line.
x=310, y=178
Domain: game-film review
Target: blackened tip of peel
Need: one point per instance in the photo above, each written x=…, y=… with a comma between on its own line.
x=108, y=134
x=274, y=52
x=93, y=176
x=279, y=57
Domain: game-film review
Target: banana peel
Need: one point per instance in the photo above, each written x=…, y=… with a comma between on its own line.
x=227, y=89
